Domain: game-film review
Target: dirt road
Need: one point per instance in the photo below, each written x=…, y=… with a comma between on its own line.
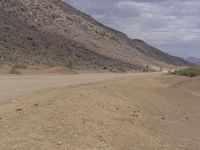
x=120, y=112
x=12, y=87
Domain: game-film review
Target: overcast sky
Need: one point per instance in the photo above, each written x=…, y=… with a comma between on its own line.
x=171, y=25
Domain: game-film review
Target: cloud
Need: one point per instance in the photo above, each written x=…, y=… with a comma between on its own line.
x=172, y=25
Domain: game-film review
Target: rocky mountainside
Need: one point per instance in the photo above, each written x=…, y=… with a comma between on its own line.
x=51, y=31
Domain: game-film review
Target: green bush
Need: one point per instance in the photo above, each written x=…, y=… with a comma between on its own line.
x=189, y=72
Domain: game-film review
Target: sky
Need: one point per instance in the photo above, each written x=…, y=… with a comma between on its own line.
x=170, y=25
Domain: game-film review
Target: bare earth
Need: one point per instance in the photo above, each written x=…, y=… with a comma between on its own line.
x=99, y=111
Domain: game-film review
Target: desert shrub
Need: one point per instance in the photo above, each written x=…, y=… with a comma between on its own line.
x=14, y=71
x=146, y=69
x=19, y=66
x=51, y=65
x=119, y=70
x=69, y=63
x=122, y=69
x=189, y=72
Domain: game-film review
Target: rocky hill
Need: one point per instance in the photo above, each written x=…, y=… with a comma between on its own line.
x=51, y=31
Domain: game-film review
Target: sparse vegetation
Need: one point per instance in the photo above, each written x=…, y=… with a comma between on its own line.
x=51, y=65
x=19, y=66
x=121, y=69
x=69, y=63
x=14, y=69
x=189, y=72
x=146, y=69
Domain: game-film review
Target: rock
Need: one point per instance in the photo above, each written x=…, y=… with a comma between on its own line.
x=163, y=118
x=59, y=143
x=19, y=109
x=36, y=105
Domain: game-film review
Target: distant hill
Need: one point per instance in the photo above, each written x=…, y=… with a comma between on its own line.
x=51, y=31
x=193, y=60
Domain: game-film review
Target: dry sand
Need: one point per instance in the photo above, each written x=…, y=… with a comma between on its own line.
x=99, y=111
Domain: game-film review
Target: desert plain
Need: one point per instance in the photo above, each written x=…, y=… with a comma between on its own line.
x=99, y=111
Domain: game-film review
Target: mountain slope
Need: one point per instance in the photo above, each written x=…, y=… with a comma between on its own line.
x=22, y=43
x=193, y=60
x=50, y=31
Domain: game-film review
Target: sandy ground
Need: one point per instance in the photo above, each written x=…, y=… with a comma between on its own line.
x=99, y=111
x=13, y=87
